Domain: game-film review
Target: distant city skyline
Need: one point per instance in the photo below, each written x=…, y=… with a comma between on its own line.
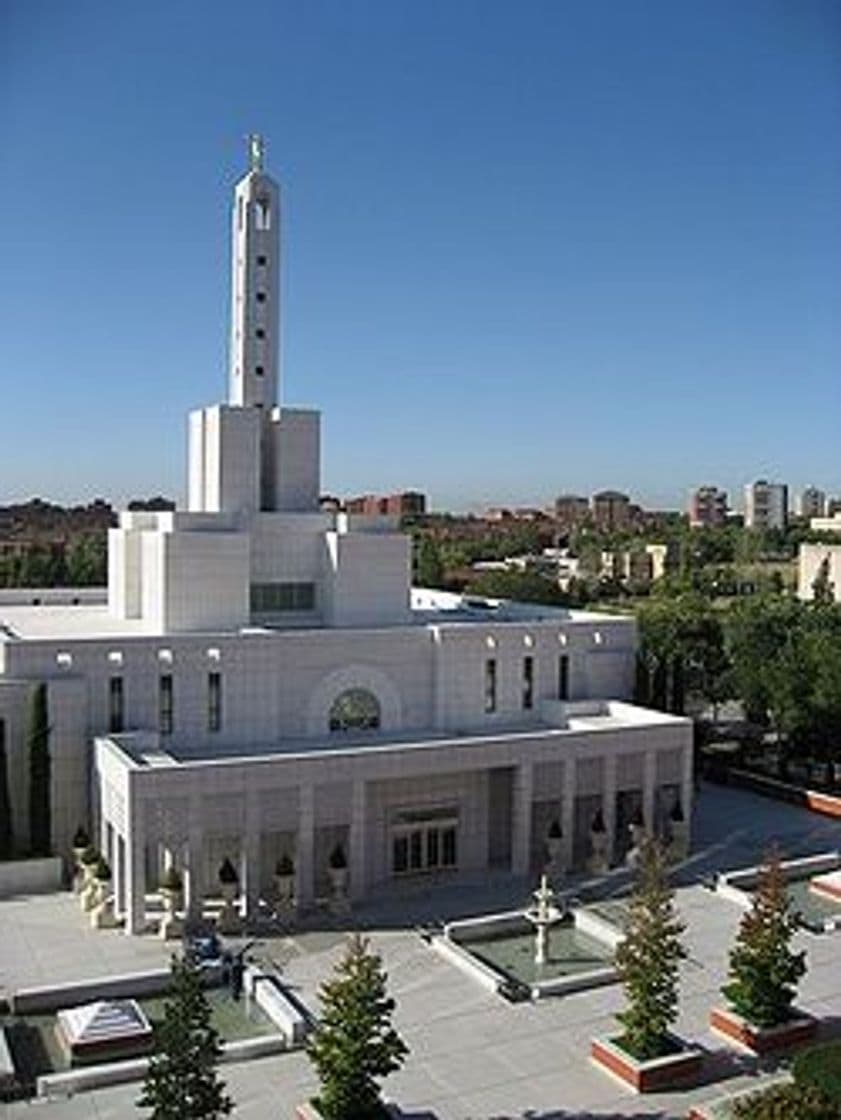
x=531, y=250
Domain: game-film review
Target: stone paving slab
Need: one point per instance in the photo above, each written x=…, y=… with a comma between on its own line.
x=472, y=1056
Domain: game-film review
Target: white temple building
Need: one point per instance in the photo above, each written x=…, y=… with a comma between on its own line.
x=264, y=681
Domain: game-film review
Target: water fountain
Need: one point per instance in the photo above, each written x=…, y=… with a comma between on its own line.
x=543, y=915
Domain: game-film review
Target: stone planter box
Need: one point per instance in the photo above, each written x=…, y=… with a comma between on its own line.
x=763, y=1040
x=307, y=1111
x=673, y=1071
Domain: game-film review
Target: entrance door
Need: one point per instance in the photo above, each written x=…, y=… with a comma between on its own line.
x=424, y=845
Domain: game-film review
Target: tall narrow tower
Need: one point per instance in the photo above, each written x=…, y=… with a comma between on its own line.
x=255, y=267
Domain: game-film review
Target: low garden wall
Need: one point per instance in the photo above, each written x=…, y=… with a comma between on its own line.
x=827, y=804
x=269, y=995
x=30, y=876
x=130, y=984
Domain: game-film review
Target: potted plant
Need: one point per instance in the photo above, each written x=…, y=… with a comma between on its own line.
x=679, y=827
x=284, y=876
x=170, y=887
x=80, y=843
x=636, y=827
x=88, y=891
x=228, y=880
x=554, y=841
x=764, y=972
x=646, y=1055
x=337, y=867
x=599, y=844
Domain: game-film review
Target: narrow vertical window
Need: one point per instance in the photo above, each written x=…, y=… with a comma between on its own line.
x=262, y=214
x=528, y=683
x=214, y=701
x=490, y=684
x=563, y=677
x=115, y=704
x=165, y=704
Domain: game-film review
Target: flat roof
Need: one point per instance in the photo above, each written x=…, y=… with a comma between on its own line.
x=84, y=621
x=145, y=749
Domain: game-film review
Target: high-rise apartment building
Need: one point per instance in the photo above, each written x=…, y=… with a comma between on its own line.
x=611, y=510
x=707, y=507
x=811, y=502
x=571, y=509
x=766, y=505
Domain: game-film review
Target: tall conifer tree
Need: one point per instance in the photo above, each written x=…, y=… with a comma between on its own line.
x=40, y=808
x=355, y=1045
x=182, y=1083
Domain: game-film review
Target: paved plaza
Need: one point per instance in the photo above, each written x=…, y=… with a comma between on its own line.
x=473, y=1056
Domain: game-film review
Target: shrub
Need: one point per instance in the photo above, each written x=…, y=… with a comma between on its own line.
x=786, y=1102
x=338, y=859
x=170, y=880
x=227, y=872
x=284, y=865
x=89, y=856
x=102, y=871
x=820, y=1067
x=81, y=839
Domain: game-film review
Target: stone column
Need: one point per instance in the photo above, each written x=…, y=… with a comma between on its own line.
x=251, y=855
x=136, y=868
x=568, y=811
x=305, y=845
x=521, y=824
x=687, y=787
x=195, y=885
x=609, y=802
x=358, y=857
x=118, y=870
x=649, y=789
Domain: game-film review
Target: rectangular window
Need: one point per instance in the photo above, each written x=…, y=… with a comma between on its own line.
x=115, y=704
x=448, y=847
x=528, y=683
x=165, y=704
x=267, y=598
x=214, y=701
x=490, y=684
x=563, y=677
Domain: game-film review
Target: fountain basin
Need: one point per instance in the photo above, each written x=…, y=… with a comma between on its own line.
x=819, y=909
x=497, y=950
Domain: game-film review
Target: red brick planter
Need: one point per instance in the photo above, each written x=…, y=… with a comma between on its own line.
x=763, y=1040
x=827, y=886
x=674, y=1071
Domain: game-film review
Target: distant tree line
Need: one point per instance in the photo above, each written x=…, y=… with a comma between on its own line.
x=83, y=562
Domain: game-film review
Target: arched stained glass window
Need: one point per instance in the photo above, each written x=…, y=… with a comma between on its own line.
x=355, y=710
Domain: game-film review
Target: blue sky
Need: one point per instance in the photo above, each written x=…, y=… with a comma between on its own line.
x=529, y=247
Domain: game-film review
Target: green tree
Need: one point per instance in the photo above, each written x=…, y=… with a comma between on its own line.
x=649, y=958
x=87, y=560
x=764, y=970
x=40, y=802
x=527, y=587
x=182, y=1082
x=823, y=589
x=787, y=1102
x=355, y=1044
x=6, y=831
x=430, y=570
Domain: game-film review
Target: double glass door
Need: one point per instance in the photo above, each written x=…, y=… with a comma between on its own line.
x=423, y=845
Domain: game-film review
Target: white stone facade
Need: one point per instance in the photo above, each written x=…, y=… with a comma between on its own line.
x=263, y=681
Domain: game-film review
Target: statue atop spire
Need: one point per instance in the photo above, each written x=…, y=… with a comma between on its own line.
x=256, y=150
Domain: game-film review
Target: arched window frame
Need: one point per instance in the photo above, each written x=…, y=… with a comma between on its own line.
x=355, y=709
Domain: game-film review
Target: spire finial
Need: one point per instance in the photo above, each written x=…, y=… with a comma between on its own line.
x=255, y=151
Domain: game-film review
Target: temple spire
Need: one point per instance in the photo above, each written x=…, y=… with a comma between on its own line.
x=256, y=150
